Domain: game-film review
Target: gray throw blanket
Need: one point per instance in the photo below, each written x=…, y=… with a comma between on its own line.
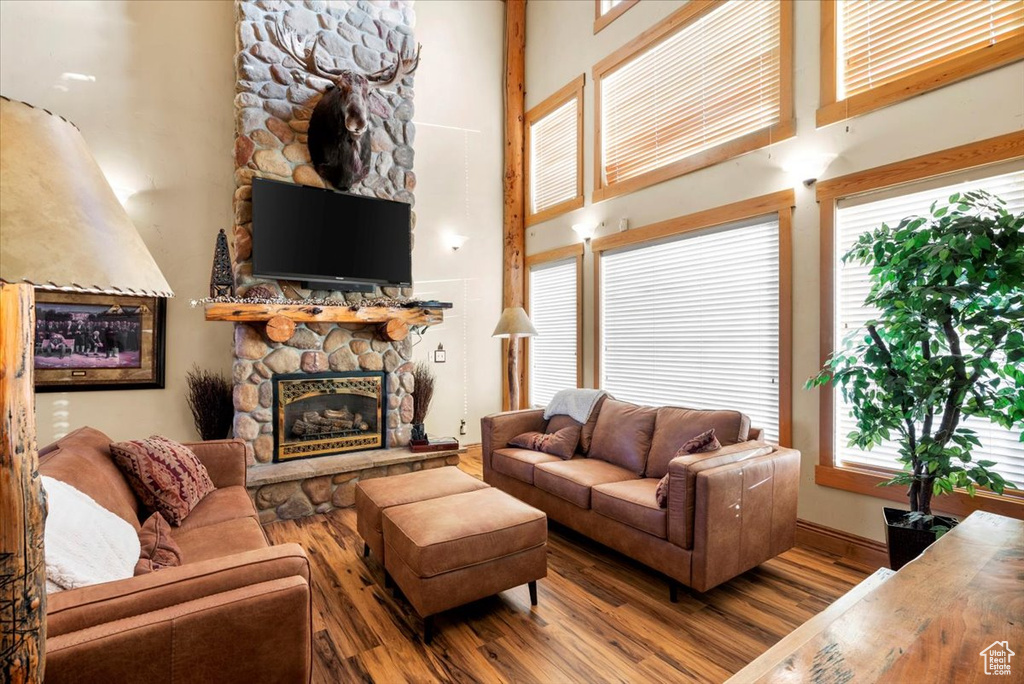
x=575, y=403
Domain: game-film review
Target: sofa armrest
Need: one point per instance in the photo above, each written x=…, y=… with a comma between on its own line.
x=257, y=633
x=498, y=428
x=224, y=459
x=682, y=487
x=78, y=609
x=745, y=515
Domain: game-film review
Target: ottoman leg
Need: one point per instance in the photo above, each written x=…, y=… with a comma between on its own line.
x=366, y=550
x=388, y=582
x=428, y=629
x=533, y=593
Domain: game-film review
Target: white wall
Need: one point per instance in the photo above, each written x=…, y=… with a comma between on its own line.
x=561, y=45
x=459, y=128
x=159, y=120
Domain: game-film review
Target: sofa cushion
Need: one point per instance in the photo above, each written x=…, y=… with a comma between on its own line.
x=216, y=541
x=623, y=435
x=83, y=460
x=561, y=443
x=572, y=480
x=674, y=426
x=702, y=443
x=437, y=536
x=226, y=503
x=159, y=550
x=165, y=475
x=519, y=463
x=587, y=432
x=631, y=502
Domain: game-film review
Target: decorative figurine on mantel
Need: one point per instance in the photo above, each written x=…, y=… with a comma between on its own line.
x=222, y=283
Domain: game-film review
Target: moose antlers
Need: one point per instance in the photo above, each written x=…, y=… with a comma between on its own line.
x=295, y=48
x=394, y=73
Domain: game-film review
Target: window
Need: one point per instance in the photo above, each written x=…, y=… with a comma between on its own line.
x=553, y=297
x=710, y=82
x=863, y=214
x=694, y=320
x=554, y=154
x=848, y=204
x=877, y=53
x=607, y=11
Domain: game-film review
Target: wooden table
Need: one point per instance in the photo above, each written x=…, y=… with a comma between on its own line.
x=929, y=622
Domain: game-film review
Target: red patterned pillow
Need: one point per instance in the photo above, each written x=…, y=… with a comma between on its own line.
x=158, y=550
x=705, y=441
x=166, y=476
x=561, y=443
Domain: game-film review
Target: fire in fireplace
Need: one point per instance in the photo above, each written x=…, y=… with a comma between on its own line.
x=318, y=414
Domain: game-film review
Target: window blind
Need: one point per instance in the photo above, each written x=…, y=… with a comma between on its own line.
x=554, y=158
x=881, y=41
x=694, y=322
x=852, y=286
x=553, y=309
x=714, y=80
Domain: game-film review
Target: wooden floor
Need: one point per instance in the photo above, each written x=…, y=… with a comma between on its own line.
x=601, y=618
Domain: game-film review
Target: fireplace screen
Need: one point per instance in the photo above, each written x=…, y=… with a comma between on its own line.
x=328, y=413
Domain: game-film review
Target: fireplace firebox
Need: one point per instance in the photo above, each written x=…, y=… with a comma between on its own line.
x=320, y=414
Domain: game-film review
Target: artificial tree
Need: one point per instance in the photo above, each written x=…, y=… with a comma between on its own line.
x=947, y=343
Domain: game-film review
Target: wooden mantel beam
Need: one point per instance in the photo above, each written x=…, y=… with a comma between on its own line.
x=515, y=200
x=22, y=499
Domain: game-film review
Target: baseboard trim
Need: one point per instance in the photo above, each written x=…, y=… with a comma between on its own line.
x=860, y=549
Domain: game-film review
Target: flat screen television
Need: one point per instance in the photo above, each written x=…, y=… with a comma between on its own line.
x=331, y=240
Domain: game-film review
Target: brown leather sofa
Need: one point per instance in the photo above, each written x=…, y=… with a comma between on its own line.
x=728, y=510
x=236, y=610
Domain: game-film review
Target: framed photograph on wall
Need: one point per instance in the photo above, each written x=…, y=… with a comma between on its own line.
x=96, y=342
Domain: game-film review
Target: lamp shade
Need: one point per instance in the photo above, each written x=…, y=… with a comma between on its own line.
x=61, y=225
x=514, y=321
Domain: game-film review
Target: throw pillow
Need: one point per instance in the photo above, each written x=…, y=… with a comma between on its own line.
x=85, y=543
x=562, y=443
x=704, y=442
x=159, y=550
x=166, y=476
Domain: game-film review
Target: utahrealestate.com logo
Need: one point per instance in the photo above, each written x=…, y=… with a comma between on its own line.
x=997, y=658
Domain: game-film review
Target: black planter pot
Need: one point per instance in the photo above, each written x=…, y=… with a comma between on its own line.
x=907, y=541
x=419, y=432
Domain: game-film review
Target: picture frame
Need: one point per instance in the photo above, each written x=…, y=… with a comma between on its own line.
x=87, y=342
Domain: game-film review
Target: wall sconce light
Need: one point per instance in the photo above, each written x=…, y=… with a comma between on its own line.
x=457, y=241
x=807, y=168
x=586, y=231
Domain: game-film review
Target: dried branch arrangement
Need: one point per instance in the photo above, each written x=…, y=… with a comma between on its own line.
x=423, y=391
x=209, y=399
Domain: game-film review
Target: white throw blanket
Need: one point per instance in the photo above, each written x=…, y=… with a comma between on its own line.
x=575, y=403
x=85, y=543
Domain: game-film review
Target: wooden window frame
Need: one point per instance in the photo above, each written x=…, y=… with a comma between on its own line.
x=691, y=11
x=865, y=479
x=832, y=110
x=575, y=252
x=568, y=92
x=602, y=20
x=780, y=204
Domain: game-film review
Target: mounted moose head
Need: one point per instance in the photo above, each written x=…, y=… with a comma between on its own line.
x=339, y=128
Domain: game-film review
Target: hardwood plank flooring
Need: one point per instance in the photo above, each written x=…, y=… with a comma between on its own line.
x=601, y=617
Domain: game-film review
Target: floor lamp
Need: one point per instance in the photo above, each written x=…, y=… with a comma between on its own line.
x=61, y=228
x=513, y=324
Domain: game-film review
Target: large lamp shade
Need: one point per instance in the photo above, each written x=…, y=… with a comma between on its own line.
x=514, y=321
x=61, y=225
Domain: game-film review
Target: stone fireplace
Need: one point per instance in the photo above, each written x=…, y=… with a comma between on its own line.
x=273, y=105
x=328, y=413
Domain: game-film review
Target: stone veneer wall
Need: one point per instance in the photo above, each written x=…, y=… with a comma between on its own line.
x=273, y=104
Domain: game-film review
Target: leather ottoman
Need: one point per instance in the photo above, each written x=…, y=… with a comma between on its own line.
x=449, y=551
x=373, y=496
